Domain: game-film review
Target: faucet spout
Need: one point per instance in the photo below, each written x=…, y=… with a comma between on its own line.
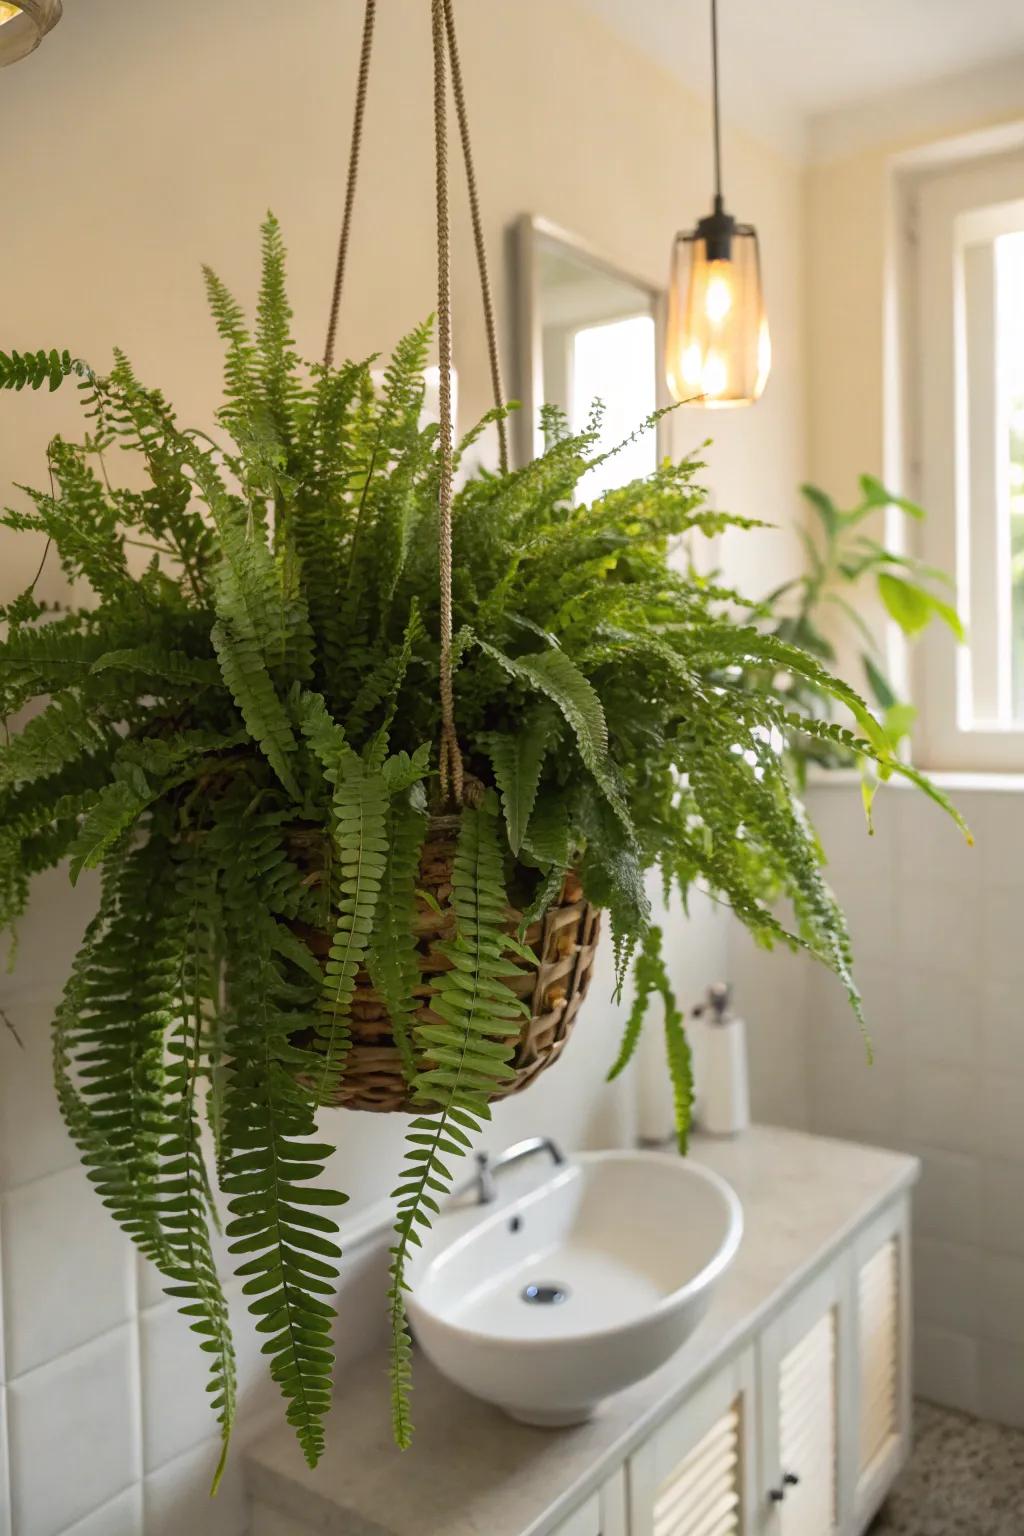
x=487, y=1167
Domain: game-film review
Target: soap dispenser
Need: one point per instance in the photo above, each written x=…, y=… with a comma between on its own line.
x=721, y=1079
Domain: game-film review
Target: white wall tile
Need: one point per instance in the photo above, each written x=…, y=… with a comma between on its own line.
x=938, y=927
x=74, y=1434
x=948, y=1200
x=1001, y=1010
x=947, y=1284
x=121, y=1517
x=68, y=1269
x=6, y=1528
x=946, y=1368
x=177, y=1497
x=1004, y=1116
x=1002, y=1207
x=33, y=1140
x=1001, y=1386
x=940, y=1015
x=1002, y=951
x=946, y=1107
x=1002, y=1298
x=176, y=1413
x=929, y=848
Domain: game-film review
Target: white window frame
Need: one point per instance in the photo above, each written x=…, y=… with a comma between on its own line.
x=943, y=209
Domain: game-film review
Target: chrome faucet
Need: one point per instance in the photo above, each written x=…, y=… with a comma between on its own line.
x=486, y=1167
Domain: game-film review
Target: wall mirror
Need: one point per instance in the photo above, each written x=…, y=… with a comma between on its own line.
x=587, y=331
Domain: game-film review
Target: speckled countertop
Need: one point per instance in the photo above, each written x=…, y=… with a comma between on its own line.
x=473, y=1472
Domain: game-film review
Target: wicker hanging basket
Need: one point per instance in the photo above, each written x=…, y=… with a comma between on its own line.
x=564, y=941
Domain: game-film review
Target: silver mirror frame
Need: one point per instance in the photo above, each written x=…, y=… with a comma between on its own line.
x=529, y=228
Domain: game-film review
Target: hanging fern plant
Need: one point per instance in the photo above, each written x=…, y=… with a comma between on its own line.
x=240, y=734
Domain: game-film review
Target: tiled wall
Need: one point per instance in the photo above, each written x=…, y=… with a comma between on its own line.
x=938, y=931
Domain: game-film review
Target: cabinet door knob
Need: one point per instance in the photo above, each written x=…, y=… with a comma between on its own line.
x=790, y=1479
x=777, y=1495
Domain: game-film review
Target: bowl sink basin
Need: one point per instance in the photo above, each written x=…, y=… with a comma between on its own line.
x=547, y=1302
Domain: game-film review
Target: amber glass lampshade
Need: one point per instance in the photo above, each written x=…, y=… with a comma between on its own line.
x=23, y=25
x=718, y=349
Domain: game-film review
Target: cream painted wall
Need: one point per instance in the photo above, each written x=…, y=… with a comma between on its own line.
x=140, y=141
x=847, y=209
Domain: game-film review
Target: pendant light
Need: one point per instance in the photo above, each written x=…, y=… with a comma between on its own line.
x=23, y=25
x=718, y=351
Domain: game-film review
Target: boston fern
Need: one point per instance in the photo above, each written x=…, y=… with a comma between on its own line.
x=255, y=668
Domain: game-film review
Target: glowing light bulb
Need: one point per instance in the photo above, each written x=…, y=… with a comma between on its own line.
x=8, y=11
x=716, y=375
x=693, y=366
x=718, y=296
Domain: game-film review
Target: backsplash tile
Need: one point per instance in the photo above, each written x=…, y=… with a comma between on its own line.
x=33, y=1141
x=943, y=999
x=68, y=1270
x=74, y=1434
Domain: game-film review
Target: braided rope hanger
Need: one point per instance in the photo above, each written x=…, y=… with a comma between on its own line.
x=445, y=50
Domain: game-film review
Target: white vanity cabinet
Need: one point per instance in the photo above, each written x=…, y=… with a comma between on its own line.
x=695, y=1475
x=786, y=1414
x=803, y=1432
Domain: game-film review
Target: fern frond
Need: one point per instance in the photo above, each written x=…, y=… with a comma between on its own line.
x=360, y=849
x=34, y=369
x=391, y=957
x=249, y=683
x=517, y=761
x=465, y=1056
x=555, y=674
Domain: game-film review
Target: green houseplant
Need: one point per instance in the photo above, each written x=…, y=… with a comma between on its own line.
x=265, y=685
x=843, y=558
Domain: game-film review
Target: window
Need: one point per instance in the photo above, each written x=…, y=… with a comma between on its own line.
x=615, y=363
x=967, y=399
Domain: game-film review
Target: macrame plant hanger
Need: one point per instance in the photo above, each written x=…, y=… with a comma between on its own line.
x=445, y=54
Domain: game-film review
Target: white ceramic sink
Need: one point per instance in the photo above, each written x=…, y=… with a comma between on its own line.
x=551, y=1301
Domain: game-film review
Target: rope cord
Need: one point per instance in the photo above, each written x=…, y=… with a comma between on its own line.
x=451, y=771
x=353, y=177
x=478, y=235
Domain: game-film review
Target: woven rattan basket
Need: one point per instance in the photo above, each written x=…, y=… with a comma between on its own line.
x=564, y=941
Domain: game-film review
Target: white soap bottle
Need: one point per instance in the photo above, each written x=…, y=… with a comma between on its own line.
x=721, y=1077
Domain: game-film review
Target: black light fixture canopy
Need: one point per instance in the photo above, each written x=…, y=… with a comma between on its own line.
x=718, y=348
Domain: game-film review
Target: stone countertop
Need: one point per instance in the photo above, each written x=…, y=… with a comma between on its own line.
x=473, y=1472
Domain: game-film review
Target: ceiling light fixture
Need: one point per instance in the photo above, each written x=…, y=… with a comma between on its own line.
x=718, y=350
x=24, y=25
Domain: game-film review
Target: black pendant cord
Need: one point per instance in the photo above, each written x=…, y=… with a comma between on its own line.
x=714, y=89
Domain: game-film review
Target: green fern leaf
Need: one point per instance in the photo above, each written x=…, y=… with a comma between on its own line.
x=34, y=369
x=250, y=685
x=465, y=1058
x=391, y=957
x=517, y=761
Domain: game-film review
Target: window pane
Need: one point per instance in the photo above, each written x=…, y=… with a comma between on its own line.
x=1010, y=365
x=615, y=363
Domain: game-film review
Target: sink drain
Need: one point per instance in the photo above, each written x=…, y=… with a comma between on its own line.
x=541, y=1294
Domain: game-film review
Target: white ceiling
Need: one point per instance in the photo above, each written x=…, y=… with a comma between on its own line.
x=786, y=61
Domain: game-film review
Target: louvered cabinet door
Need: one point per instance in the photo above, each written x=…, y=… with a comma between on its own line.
x=800, y=1417
x=882, y=1329
x=695, y=1476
